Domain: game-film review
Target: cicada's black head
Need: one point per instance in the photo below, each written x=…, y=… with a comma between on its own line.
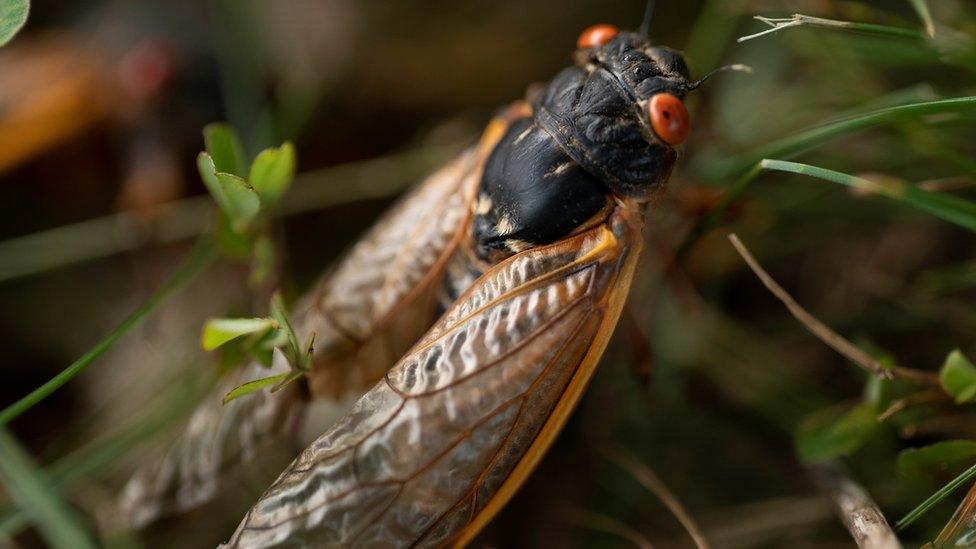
x=619, y=111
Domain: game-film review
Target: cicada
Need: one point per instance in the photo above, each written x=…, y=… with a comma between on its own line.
x=472, y=315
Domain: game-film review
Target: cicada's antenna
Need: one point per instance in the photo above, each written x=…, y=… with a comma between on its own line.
x=736, y=67
x=645, y=28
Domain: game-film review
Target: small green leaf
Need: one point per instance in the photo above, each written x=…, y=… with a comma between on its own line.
x=944, y=206
x=263, y=349
x=225, y=148
x=242, y=203
x=256, y=385
x=218, y=331
x=835, y=432
x=272, y=172
x=958, y=377
x=288, y=379
x=208, y=173
x=940, y=456
x=13, y=15
x=292, y=351
x=233, y=195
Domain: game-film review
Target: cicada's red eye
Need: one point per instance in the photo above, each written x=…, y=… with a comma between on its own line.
x=669, y=118
x=596, y=36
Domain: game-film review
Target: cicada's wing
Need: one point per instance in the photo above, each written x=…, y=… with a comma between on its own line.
x=430, y=453
x=365, y=314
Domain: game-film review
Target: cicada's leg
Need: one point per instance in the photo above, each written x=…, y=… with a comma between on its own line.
x=365, y=314
x=432, y=451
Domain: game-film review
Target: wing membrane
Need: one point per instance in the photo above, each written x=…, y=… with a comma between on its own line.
x=434, y=448
x=365, y=313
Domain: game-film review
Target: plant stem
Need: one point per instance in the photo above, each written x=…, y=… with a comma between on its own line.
x=202, y=255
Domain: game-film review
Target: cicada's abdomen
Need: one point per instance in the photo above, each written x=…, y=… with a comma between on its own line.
x=531, y=194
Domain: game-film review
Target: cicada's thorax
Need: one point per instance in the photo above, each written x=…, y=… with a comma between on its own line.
x=532, y=193
x=581, y=143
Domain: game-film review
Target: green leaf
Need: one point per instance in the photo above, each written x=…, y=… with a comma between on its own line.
x=940, y=456
x=255, y=385
x=225, y=148
x=242, y=203
x=272, y=172
x=35, y=494
x=233, y=195
x=218, y=331
x=292, y=351
x=13, y=15
x=288, y=379
x=208, y=173
x=835, y=432
x=947, y=207
x=958, y=377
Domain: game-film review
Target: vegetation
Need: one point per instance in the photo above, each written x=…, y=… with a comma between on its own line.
x=845, y=168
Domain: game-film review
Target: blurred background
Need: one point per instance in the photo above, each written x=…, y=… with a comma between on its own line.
x=709, y=382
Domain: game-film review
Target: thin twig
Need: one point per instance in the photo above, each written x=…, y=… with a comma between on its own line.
x=823, y=332
x=922, y=397
x=857, y=510
x=779, y=23
x=656, y=486
x=610, y=525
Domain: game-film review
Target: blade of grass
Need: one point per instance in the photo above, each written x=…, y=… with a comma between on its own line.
x=202, y=255
x=818, y=135
x=922, y=9
x=91, y=458
x=935, y=498
x=946, y=207
x=649, y=480
x=32, y=491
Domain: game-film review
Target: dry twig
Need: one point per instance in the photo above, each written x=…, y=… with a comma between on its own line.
x=824, y=333
x=648, y=479
x=610, y=525
x=857, y=510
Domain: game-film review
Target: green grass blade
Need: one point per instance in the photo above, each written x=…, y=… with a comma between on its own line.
x=33, y=493
x=946, y=207
x=922, y=9
x=813, y=137
x=256, y=385
x=203, y=255
x=96, y=455
x=935, y=498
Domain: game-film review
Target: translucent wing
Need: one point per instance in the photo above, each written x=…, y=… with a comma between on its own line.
x=370, y=309
x=430, y=453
